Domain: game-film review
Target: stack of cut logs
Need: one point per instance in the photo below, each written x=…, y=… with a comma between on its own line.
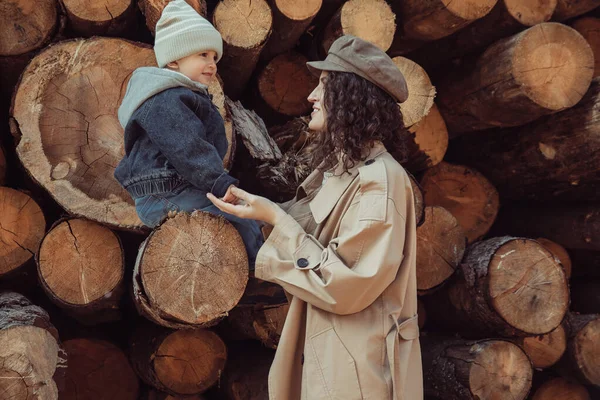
x=504, y=108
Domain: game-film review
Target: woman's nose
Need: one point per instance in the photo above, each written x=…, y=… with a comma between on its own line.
x=312, y=97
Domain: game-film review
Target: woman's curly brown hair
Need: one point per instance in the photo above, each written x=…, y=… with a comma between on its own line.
x=358, y=114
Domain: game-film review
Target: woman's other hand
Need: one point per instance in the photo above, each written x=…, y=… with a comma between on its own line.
x=250, y=206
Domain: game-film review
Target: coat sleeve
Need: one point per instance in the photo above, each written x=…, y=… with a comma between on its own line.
x=352, y=271
x=180, y=135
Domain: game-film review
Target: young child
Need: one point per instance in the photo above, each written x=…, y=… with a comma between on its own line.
x=174, y=135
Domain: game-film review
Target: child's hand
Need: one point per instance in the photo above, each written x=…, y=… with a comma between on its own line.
x=230, y=197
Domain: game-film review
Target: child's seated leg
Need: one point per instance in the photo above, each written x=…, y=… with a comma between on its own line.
x=153, y=209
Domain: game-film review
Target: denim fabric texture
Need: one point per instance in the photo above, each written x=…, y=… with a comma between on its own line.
x=153, y=209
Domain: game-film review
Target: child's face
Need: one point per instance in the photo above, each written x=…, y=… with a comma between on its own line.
x=200, y=67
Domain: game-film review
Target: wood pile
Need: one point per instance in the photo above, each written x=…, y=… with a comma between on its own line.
x=504, y=111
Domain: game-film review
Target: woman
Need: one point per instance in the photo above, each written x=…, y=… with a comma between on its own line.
x=344, y=248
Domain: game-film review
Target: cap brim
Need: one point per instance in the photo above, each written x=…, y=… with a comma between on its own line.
x=315, y=67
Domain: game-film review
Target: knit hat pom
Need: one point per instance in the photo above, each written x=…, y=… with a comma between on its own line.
x=181, y=32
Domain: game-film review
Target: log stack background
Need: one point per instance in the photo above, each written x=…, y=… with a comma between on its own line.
x=504, y=109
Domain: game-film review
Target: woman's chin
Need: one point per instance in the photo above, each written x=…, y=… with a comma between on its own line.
x=315, y=125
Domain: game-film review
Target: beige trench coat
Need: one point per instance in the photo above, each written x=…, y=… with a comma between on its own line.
x=345, y=254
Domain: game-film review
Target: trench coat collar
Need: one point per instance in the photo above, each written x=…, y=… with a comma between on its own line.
x=326, y=199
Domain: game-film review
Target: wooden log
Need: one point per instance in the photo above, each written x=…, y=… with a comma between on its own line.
x=262, y=322
x=26, y=25
x=181, y=263
x=559, y=252
x=98, y=370
x=441, y=244
x=64, y=119
x=544, y=350
x=582, y=358
x=585, y=296
x=506, y=18
x=572, y=226
x=34, y=363
x=466, y=193
x=183, y=362
x=22, y=229
x=561, y=388
x=109, y=18
x=456, y=369
x=566, y=9
x=505, y=286
x=247, y=372
x=542, y=70
x=419, y=200
x=420, y=91
x=152, y=10
x=554, y=158
x=431, y=137
x=589, y=28
x=290, y=19
x=81, y=267
x=283, y=86
x=371, y=20
x=245, y=27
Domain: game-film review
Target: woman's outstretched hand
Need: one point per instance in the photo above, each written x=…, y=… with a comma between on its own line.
x=248, y=206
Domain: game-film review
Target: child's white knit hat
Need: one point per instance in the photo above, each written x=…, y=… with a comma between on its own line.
x=181, y=31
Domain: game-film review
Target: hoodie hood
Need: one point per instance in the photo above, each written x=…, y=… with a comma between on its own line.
x=146, y=82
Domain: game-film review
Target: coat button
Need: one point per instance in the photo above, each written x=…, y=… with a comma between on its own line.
x=302, y=262
x=369, y=162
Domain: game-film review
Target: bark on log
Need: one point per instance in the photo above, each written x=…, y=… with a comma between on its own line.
x=542, y=70
x=246, y=375
x=556, y=157
x=109, y=18
x=585, y=296
x=561, y=388
x=290, y=19
x=589, y=28
x=98, y=370
x=505, y=286
x=65, y=122
x=181, y=264
x=506, y=18
x=34, y=364
x=486, y=369
x=26, y=25
x=152, y=10
x=180, y=363
x=441, y=244
x=22, y=229
x=431, y=138
x=559, y=252
x=245, y=27
x=572, y=226
x=544, y=350
x=420, y=91
x=81, y=267
x=371, y=20
x=566, y=9
x=582, y=358
x=467, y=194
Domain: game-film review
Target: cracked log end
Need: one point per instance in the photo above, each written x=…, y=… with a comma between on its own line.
x=26, y=25
x=109, y=17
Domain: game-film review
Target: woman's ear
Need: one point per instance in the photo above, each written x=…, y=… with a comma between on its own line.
x=173, y=65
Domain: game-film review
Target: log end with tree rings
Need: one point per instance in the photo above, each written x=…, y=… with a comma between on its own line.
x=98, y=370
x=81, y=268
x=561, y=388
x=298, y=10
x=545, y=350
x=420, y=91
x=371, y=20
x=181, y=363
x=559, y=252
x=22, y=227
x=190, y=271
x=431, y=137
x=89, y=18
x=583, y=350
x=419, y=202
x=554, y=65
x=152, y=10
x=467, y=194
x=26, y=25
x=285, y=83
x=530, y=12
x=589, y=28
x=441, y=245
x=527, y=286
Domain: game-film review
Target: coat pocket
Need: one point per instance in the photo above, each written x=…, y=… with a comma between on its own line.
x=331, y=370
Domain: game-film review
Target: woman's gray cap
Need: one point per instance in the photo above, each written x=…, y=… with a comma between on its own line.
x=352, y=54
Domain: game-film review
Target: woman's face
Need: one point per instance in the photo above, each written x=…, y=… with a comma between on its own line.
x=318, y=117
